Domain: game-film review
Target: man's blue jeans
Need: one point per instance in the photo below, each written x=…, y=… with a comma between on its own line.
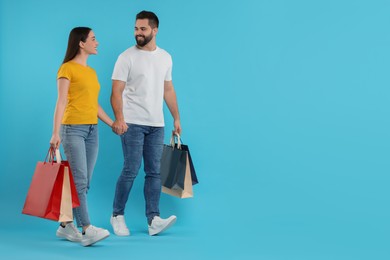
x=141, y=142
x=81, y=145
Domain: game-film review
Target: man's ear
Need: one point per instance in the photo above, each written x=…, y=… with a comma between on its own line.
x=155, y=30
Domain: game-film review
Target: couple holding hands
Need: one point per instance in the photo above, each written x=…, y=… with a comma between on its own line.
x=141, y=82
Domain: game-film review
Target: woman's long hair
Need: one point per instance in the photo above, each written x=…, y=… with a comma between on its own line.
x=75, y=36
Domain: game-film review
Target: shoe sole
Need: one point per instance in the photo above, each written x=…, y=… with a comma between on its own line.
x=165, y=228
x=68, y=237
x=91, y=241
x=121, y=235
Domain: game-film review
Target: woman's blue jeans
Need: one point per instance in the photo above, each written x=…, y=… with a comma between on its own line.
x=140, y=142
x=81, y=145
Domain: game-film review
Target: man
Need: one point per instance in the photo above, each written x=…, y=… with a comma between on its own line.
x=142, y=80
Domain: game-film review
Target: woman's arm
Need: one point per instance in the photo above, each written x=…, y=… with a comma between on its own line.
x=104, y=117
x=62, y=101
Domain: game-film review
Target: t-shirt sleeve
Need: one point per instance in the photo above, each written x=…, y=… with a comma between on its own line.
x=64, y=72
x=168, y=75
x=121, y=69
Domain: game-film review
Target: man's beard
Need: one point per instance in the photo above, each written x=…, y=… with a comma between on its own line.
x=143, y=40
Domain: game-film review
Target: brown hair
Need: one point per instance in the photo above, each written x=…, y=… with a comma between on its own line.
x=75, y=36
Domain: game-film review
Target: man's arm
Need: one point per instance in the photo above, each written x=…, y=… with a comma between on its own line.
x=171, y=101
x=119, y=126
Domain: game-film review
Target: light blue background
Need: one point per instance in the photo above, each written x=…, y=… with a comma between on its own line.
x=284, y=105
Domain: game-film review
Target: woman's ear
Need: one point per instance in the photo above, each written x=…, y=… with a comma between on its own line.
x=81, y=44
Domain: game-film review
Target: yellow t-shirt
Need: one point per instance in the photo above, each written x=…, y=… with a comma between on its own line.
x=82, y=107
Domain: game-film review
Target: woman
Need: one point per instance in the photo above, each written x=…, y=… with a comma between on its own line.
x=75, y=124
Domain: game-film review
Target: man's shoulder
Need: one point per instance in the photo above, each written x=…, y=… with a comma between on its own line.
x=164, y=55
x=162, y=51
x=128, y=51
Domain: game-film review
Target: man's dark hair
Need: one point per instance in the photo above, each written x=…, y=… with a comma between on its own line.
x=152, y=17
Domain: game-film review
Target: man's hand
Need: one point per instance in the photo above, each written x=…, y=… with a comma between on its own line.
x=177, y=127
x=119, y=127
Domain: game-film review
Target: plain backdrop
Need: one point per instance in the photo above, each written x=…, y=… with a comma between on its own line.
x=284, y=106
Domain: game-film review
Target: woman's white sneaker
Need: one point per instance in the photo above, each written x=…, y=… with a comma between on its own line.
x=69, y=232
x=93, y=234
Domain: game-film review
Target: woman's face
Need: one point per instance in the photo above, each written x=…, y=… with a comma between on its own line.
x=90, y=45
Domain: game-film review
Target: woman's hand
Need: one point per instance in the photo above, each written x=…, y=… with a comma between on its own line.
x=55, y=141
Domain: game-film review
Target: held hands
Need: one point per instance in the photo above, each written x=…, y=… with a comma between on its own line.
x=119, y=127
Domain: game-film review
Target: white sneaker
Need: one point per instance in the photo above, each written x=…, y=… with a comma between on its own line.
x=93, y=234
x=69, y=232
x=119, y=225
x=159, y=225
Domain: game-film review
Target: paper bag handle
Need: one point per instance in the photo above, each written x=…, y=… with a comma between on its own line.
x=51, y=154
x=58, y=155
x=178, y=140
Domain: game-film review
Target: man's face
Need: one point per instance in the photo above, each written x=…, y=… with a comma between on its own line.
x=143, y=32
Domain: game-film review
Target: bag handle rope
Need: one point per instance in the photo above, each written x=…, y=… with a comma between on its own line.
x=173, y=137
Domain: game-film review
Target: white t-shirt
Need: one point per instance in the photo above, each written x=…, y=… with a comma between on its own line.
x=144, y=73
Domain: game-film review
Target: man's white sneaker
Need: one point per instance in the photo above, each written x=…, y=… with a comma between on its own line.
x=93, y=234
x=69, y=232
x=159, y=225
x=119, y=225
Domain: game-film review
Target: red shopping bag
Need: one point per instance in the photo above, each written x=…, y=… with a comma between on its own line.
x=52, y=193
